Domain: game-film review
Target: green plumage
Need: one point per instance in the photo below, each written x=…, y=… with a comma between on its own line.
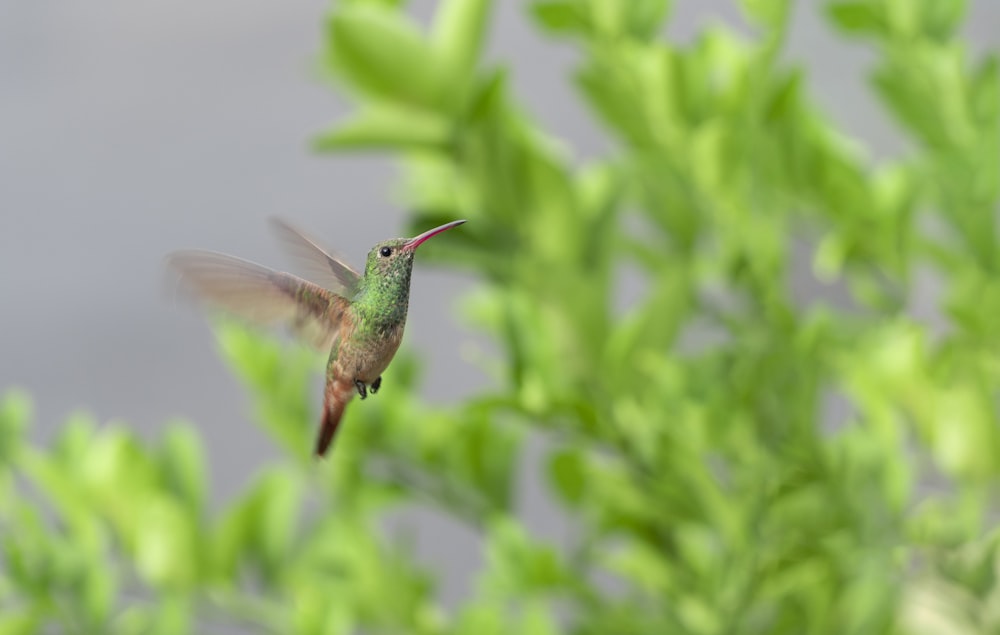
x=359, y=319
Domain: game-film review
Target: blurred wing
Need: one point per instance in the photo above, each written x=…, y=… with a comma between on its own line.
x=261, y=295
x=317, y=264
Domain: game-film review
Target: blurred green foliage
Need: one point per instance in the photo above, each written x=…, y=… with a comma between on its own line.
x=735, y=456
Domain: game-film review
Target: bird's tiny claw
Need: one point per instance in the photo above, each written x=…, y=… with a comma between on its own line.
x=376, y=384
x=360, y=385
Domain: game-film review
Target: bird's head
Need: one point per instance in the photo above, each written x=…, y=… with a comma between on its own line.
x=394, y=258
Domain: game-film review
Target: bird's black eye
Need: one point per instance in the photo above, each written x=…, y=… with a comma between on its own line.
x=385, y=252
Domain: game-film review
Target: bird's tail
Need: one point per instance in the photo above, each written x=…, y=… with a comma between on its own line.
x=334, y=401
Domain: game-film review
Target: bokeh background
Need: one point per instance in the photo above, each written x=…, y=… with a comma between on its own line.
x=128, y=130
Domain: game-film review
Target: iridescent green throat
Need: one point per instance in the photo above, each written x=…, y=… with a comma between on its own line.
x=383, y=299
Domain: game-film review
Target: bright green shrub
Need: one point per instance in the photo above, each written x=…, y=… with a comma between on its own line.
x=690, y=437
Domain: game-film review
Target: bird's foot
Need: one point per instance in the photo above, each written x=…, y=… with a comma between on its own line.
x=376, y=384
x=362, y=390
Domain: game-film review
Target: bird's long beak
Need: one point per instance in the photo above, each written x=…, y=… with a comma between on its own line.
x=413, y=243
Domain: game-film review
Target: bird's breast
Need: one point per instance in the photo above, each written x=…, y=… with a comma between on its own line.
x=365, y=356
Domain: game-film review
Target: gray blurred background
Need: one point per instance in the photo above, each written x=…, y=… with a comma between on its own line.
x=129, y=129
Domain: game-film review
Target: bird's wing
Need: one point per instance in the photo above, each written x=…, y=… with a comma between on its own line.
x=261, y=295
x=316, y=262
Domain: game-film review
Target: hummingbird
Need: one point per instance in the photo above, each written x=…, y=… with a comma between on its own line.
x=358, y=318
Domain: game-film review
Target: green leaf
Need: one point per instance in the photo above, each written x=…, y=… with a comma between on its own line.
x=561, y=16
x=230, y=541
x=520, y=565
x=59, y=486
x=538, y=619
x=173, y=614
x=941, y=18
x=459, y=26
x=861, y=17
x=567, y=474
x=20, y=623
x=134, y=620
x=280, y=379
x=770, y=13
x=119, y=476
x=984, y=90
x=100, y=593
x=384, y=54
x=275, y=518
x=611, y=92
x=166, y=544
x=481, y=618
x=183, y=465
x=965, y=438
x=642, y=565
x=384, y=126
x=261, y=528
x=646, y=17
x=487, y=100
x=15, y=414
x=639, y=19
x=76, y=438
